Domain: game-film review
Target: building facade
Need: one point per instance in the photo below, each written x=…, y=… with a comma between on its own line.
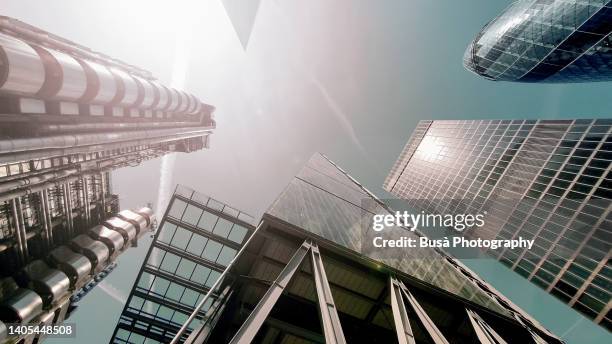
x=69, y=116
x=197, y=238
x=303, y=278
x=545, y=41
x=56, y=246
x=546, y=180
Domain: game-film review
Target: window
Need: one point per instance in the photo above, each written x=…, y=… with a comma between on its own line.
x=192, y=215
x=237, y=234
x=160, y=286
x=212, y=278
x=196, y=245
x=155, y=257
x=166, y=232
x=181, y=238
x=170, y=262
x=190, y=297
x=174, y=292
x=200, y=274
x=223, y=228
x=226, y=255
x=185, y=268
x=207, y=221
x=177, y=208
x=211, y=252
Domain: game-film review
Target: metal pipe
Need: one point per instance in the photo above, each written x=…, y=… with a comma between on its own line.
x=77, y=140
x=103, y=191
x=67, y=213
x=16, y=222
x=34, y=154
x=45, y=223
x=35, y=179
x=86, y=200
x=70, y=205
x=69, y=175
x=45, y=194
x=22, y=228
x=34, y=188
x=199, y=306
x=58, y=128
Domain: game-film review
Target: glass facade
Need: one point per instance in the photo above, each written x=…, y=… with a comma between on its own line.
x=546, y=41
x=546, y=180
x=197, y=238
x=325, y=201
x=307, y=254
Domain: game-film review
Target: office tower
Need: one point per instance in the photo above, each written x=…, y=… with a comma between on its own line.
x=197, y=237
x=545, y=41
x=546, y=180
x=303, y=277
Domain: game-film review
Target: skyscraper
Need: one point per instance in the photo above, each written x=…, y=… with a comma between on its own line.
x=197, y=237
x=55, y=247
x=69, y=116
x=303, y=277
x=546, y=180
x=545, y=41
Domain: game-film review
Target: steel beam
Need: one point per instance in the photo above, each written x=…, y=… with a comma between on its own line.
x=425, y=320
x=400, y=315
x=485, y=333
x=332, y=328
x=252, y=324
x=201, y=333
x=536, y=337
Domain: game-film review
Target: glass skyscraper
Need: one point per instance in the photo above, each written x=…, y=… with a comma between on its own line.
x=546, y=41
x=547, y=180
x=304, y=277
x=197, y=238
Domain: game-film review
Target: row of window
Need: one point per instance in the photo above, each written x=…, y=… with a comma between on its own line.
x=198, y=217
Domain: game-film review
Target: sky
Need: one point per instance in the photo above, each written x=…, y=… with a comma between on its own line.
x=348, y=78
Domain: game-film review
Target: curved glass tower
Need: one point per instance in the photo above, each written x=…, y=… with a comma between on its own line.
x=546, y=41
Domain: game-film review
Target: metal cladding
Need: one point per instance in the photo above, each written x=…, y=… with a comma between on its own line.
x=141, y=222
x=147, y=213
x=125, y=228
x=111, y=238
x=22, y=307
x=22, y=70
x=95, y=251
x=33, y=69
x=76, y=266
x=50, y=284
x=42, y=291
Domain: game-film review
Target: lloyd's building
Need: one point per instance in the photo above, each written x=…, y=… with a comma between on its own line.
x=68, y=117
